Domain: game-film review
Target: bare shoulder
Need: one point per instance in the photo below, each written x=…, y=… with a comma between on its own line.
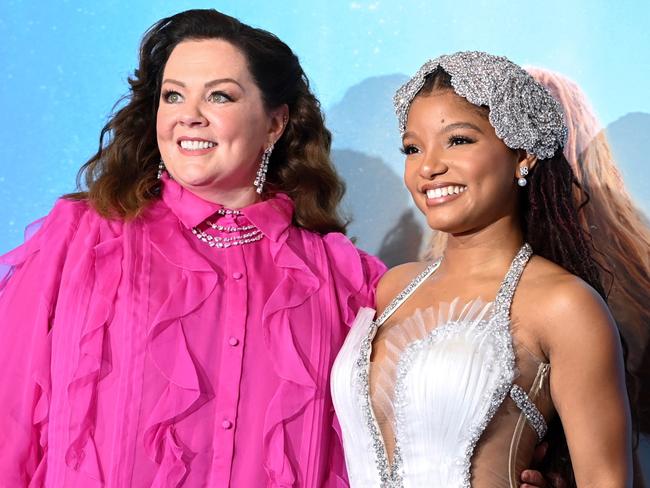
x=564, y=309
x=395, y=280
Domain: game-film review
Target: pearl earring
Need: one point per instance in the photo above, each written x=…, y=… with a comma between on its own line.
x=524, y=172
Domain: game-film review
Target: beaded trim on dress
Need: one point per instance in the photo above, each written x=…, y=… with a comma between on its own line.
x=391, y=476
x=387, y=475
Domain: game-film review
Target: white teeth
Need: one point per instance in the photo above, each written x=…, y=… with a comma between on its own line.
x=196, y=145
x=444, y=191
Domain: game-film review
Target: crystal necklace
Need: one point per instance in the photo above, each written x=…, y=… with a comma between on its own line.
x=246, y=233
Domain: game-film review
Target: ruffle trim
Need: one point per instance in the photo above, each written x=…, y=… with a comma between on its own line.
x=93, y=364
x=57, y=226
x=41, y=369
x=298, y=388
x=357, y=275
x=183, y=393
x=41, y=414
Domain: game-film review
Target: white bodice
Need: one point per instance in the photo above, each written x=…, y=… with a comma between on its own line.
x=448, y=385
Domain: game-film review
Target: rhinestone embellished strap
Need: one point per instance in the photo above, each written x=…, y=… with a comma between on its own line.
x=530, y=410
x=408, y=291
x=499, y=323
x=392, y=476
x=389, y=477
x=503, y=299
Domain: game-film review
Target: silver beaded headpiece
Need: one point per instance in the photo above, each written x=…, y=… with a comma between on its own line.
x=522, y=112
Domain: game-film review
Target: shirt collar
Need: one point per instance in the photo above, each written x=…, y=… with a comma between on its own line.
x=271, y=216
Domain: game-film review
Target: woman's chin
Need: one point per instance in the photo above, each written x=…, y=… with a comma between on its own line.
x=195, y=179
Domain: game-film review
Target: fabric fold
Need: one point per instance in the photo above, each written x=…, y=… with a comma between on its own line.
x=170, y=353
x=94, y=362
x=352, y=273
x=297, y=387
x=41, y=414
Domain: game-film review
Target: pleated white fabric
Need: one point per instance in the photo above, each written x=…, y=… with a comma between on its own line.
x=444, y=374
x=357, y=443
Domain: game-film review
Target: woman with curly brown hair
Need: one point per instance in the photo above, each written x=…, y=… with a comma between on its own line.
x=175, y=323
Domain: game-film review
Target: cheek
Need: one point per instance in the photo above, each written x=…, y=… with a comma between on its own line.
x=164, y=124
x=492, y=169
x=410, y=175
x=411, y=183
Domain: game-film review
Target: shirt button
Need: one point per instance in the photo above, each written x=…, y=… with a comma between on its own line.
x=233, y=341
x=237, y=275
x=226, y=424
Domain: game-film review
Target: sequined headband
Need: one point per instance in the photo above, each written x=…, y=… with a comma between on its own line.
x=522, y=112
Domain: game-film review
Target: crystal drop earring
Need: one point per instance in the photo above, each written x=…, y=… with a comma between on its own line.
x=260, y=177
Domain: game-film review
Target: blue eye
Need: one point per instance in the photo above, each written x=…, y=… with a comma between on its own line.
x=219, y=97
x=172, y=96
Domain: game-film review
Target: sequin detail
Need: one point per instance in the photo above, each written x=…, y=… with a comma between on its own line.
x=530, y=411
x=522, y=112
x=390, y=476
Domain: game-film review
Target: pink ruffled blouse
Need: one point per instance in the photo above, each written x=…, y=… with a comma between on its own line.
x=134, y=355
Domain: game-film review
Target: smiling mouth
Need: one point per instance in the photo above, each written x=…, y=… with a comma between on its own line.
x=189, y=145
x=445, y=191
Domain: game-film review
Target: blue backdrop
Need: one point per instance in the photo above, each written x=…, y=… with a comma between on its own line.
x=63, y=64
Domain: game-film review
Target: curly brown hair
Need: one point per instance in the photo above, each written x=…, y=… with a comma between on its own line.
x=121, y=177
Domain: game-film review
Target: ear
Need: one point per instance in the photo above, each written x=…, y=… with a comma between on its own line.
x=279, y=117
x=525, y=160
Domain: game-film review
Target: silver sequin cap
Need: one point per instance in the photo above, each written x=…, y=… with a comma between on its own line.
x=522, y=112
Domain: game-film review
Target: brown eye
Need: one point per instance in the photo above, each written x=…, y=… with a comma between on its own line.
x=408, y=149
x=459, y=140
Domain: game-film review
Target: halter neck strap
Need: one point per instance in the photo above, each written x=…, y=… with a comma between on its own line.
x=503, y=300
x=408, y=291
x=506, y=292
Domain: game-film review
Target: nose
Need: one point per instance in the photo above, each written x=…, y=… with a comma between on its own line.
x=432, y=165
x=191, y=116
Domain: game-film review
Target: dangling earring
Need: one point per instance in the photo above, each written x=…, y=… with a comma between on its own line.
x=524, y=172
x=161, y=168
x=260, y=177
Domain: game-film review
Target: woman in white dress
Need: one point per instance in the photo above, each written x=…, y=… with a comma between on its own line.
x=476, y=355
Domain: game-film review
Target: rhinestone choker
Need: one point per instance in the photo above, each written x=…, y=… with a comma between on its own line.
x=246, y=233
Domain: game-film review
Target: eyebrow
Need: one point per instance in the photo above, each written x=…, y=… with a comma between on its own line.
x=451, y=127
x=462, y=125
x=209, y=84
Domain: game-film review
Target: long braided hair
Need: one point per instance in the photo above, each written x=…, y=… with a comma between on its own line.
x=552, y=210
x=621, y=237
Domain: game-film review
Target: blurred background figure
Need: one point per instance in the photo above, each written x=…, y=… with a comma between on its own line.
x=620, y=234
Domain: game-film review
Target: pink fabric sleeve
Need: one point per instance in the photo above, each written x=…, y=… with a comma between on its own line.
x=29, y=280
x=356, y=274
